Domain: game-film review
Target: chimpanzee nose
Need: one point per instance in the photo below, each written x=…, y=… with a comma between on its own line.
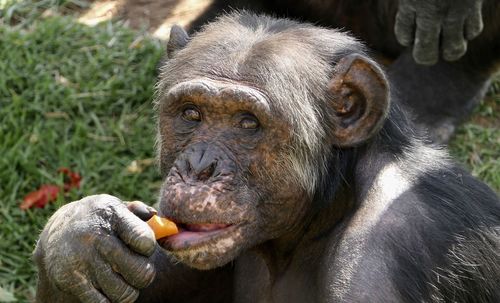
x=201, y=162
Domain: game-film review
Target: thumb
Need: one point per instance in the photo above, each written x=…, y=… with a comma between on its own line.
x=141, y=210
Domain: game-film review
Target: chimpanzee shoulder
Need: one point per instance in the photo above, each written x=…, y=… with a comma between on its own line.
x=426, y=231
x=452, y=252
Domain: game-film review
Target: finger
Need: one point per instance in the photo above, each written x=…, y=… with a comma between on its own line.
x=93, y=296
x=474, y=23
x=84, y=290
x=135, y=232
x=141, y=210
x=454, y=43
x=404, y=27
x=137, y=270
x=113, y=285
x=426, y=46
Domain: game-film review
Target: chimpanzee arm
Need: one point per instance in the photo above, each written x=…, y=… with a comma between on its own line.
x=422, y=23
x=96, y=250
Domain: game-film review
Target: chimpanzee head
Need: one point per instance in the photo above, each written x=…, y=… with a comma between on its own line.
x=251, y=110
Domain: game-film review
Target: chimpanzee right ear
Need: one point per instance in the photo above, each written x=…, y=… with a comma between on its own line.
x=360, y=99
x=178, y=40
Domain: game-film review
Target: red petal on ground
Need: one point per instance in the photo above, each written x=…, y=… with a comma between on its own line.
x=73, y=180
x=45, y=194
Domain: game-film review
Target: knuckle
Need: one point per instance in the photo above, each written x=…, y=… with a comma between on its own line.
x=80, y=289
x=62, y=278
x=60, y=283
x=145, y=274
x=474, y=30
x=454, y=52
x=102, y=202
x=145, y=239
x=141, y=239
x=105, y=246
x=129, y=294
x=84, y=293
x=426, y=41
x=149, y=274
x=102, y=272
x=92, y=296
x=403, y=39
x=455, y=49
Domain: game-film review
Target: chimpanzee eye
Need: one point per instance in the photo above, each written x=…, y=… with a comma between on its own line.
x=249, y=122
x=191, y=114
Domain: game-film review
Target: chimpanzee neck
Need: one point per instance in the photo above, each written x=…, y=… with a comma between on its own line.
x=396, y=137
x=349, y=171
x=306, y=240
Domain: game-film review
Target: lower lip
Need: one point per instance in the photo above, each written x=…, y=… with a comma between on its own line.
x=186, y=239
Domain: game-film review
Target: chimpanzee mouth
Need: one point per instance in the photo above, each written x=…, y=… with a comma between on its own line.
x=194, y=235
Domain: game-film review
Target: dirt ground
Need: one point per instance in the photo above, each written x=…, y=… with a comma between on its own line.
x=157, y=16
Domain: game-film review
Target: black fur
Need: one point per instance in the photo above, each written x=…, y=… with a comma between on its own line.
x=448, y=91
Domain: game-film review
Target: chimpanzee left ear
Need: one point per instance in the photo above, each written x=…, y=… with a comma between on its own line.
x=360, y=99
x=178, y=40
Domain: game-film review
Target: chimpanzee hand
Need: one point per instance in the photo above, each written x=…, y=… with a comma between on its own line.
x=96, y=250
x=424, y=22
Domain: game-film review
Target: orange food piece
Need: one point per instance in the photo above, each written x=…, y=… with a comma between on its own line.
x=162, y=227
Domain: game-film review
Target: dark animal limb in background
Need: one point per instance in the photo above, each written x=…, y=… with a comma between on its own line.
x=441, y=96
x=430, y=25
x=449, y=91
x=294, y=176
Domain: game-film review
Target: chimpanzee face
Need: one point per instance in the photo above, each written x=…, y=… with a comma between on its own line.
x=247, y=117
x=226, y=185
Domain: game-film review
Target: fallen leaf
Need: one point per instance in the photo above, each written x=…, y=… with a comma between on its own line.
x=73, y=178
x=39, y=198
x=49, y=192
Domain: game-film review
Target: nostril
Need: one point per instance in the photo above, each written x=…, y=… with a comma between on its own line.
x=207, y=172
x=188, y=166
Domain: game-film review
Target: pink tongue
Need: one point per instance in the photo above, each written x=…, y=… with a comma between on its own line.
x=205, y=227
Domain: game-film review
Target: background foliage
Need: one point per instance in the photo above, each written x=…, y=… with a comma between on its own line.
x=80, y=97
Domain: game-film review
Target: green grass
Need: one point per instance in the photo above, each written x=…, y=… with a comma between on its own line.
x=477, y=143
x=74, y=96
x=80, y=97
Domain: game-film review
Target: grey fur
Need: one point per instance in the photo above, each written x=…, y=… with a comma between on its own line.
x=258, y=53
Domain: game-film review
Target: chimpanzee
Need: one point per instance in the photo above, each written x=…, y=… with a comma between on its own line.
x=293, y=176
x=440, y=93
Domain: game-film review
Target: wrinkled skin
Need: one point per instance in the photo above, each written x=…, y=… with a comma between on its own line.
x=436, y=27
x=218, y=173
x=98, y=243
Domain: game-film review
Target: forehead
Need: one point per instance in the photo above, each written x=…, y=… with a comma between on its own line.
x=256, y=50
x=262, y=59
x=260, y=65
